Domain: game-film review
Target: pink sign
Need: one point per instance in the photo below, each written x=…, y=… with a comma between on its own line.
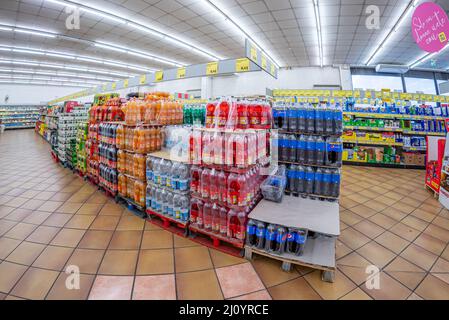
x=430, y=27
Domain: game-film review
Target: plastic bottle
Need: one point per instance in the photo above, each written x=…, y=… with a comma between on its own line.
x=260, y=235
x=270, y=238
x=170, y=204
x=183, y=174
x=283, y=147
x=195, y=174
x=185, y=205
x=311, y=150
x=177, y=206
x=309, y=180
x=291, y=241
x=281, y=239
x=241, y=225
x=291, y=178
x=334, y=149
x=173, y=176
x=301, y=114
x=213, y=185
x=149, y=195
x=327, y=180
x=301, y=237
x=205, y=180
x=318, y=184
x=242, y=115
x=320, y=147
x=338, y=119
x=154, y=198
x=223, y=221
x=251, y=237
x=301, y=147
x=335, y=184
x=164, y=201
x=232, y=224
x=196, y=212
x=310, y=119
x=319, y=119
x=215, y=218
x=292, y=115
x=292, y=146
x=222, y=187
x=207, y=216
x=329, y=119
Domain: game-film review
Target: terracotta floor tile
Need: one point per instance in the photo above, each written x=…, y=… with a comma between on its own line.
x=10, y=273
x=53, y=258
x=158, y=239
x=419, y=256
x=297, y=289
x=414, y=296
x=403, y=207
x=389, y=289
x=26, y=253
x=125, y=240
x=7, y=246
x=259, y=295
x=354, y=267
x=59, y=291
x=32, y=204
x=16, y=202
x=424, y=215
x=89, y=209
x=80, y=222
x=441, y=222
x=112, y=210
x=348, y=203
x=50, y=206
x=18, y=214
x=385, y=200
x=86, y=260
x=393, y=195
x=430, y=243
x=131, y=223
x=411, y=201
x=4, y=211
x=238, y=280
x=37, y=217
x=432, y=208
x=220, y=259
x=363, y=211
x=369, y=229
x=70, y=207
x=342, y=249
x=199, y=285
x=415, y=223
x=68, y=238
x=382, y=220
x=6, y=225
x=432, y=288
x=45, y=195
x=97, y=198
x=444, y=255
x=437, y=232
x=376, y=253
x=270, y=272
x=160, y=287
x=96, y=239
x=353, y=239
x=61, y=196
x=405, y=272
x=105, y=223
x=192, y=259
x=35, y=284
x=20, y=231
x=30, y=193
x=330, y=291
x=57, y=220
x=356, y=294
x=394, y=213
x=112, y=288
x=405, y=231
x=350, y=218
x=157, y=261
x=392, y=241
x=440, y=266
x=119, y=262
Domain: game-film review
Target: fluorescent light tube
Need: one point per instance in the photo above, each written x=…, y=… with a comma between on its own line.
x=35, y=33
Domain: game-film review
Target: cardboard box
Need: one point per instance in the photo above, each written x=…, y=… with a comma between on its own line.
x=409, y=158
x=420, y=159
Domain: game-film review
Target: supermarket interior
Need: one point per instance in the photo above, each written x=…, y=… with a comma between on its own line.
x=224, y=150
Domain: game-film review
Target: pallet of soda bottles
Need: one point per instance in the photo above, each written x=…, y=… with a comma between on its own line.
x=298, y=231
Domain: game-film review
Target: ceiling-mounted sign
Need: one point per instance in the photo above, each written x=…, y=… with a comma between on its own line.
x=430, y=27
x=143, y=79
x=181, y=73
x=159, y=76
x=212, y=68
x=261, y=59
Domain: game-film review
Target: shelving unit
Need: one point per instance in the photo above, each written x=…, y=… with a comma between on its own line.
x=20, y=116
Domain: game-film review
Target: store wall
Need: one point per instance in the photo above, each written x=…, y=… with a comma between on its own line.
x=26, y=94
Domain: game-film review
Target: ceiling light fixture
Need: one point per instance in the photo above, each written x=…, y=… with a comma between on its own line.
x=412, y=4
x=111, y=16
x=42, y=34
x=38, y=83
x=316, y=9
x=109, y=47
x=5, y=28
x=237, y=25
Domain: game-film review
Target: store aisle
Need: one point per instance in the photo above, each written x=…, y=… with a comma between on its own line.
x=50, y=218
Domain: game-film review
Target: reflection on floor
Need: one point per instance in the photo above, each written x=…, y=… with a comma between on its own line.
x=50, y=218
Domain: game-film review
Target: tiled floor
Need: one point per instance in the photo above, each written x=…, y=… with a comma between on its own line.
x=51, y=219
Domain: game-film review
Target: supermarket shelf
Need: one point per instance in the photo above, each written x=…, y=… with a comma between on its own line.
x=319, y=216
x=392, y=116
x=414, y=149
x=308, y=165
x=422, y=133
x=372, y=129
x=307, y=133
x=319, y=253
x=380, y=143
x=18, y=127
x=383, y=165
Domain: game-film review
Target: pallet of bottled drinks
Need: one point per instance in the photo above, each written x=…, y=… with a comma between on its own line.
x=297, y=231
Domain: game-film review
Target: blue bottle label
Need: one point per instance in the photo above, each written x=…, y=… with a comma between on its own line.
x=335, y=147
x=300, y=239
x=335, y=178
x=320, y=146
x=270, y=235
x=318, y=176
x=310, y=145
x=183, y=185
x=260, y=232
x=327, y=177
x=250, y=230
x=292, y=144
x=300, y=175
x=281, y=237
x=290, y=237
x=310, y=175
x=301, y=144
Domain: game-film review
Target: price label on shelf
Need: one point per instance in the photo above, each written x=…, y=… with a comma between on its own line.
x=264, y=62
x=142, y=79
x=181, y=73
x=212, y=68
x=356, y=94
x=242, y=65
x=159, y=76
x=253, y=54
x=125, y=83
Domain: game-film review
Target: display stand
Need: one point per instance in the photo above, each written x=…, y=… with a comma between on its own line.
x=434, y=162
x=321, y=217
x=444, y=186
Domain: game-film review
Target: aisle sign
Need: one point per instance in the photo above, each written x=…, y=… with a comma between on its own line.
x=159, y=76
x=181, y=73
x=242, y=65
x=143, y=79
x=253, y=53
x=264, y=62
x=212, y=68
x=273, y=69
x=125, y=83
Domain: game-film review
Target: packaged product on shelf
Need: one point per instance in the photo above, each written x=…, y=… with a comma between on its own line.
x=194, y=114
x=273, y=187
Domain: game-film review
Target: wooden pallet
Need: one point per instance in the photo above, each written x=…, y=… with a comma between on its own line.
x=216, y=241
x=168, y=223
x=132, y=206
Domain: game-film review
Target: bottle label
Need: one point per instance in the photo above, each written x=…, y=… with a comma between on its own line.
x=335, y=178
x=281, y=237
x=301, y=239
x=183, y=185
x=255, y=120
x=290, y=237
x=327, y=177
x=260, y=232
x=243, y=120
x=178, y=213
x=184, y=214
x=251, y=229
x=336, y=147
x=270, y=235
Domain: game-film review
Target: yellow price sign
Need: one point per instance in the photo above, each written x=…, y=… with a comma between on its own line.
x=125, y=83
x=143, y=79
x=253, y=54
x=264, y=62
x=368, y=94
x=356, y=94
x=159, y=76
x=181, y=73
x=212, y=68
x=273, y=69
x=114, y=85
x=242, y=65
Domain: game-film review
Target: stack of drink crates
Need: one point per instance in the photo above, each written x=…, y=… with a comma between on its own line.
x=66, y=131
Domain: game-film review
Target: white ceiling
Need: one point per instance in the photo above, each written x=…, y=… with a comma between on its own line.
x=284, y=28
